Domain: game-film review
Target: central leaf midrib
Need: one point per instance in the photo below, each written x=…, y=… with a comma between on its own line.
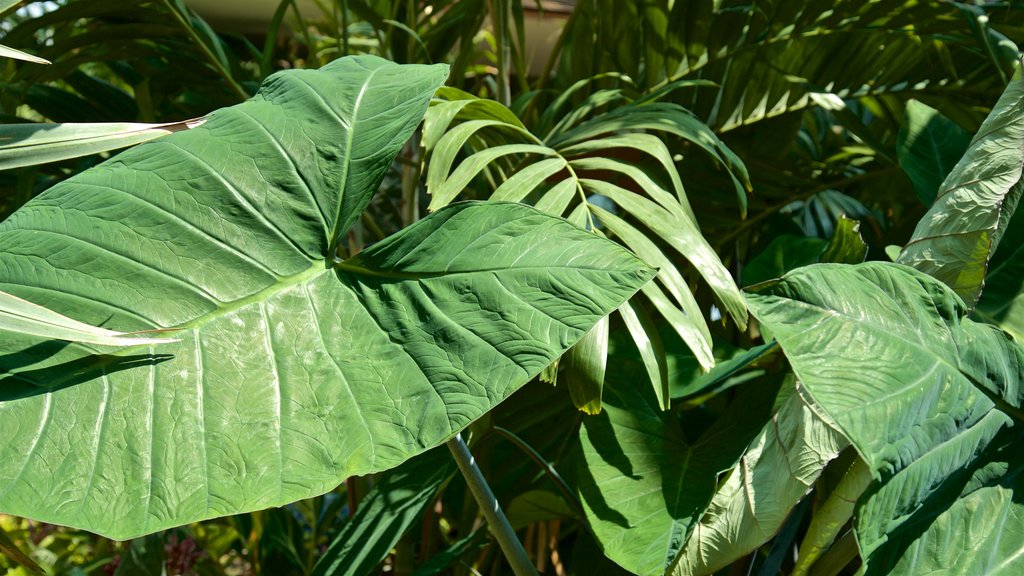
x=318, y=267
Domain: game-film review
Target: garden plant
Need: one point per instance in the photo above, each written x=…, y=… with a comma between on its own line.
x=729, y=287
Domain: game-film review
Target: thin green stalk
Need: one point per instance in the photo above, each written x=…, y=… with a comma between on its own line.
x=499, y=18
x=217, y=65
x=497, y=523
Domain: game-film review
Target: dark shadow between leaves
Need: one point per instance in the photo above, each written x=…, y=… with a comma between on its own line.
x=27, y=383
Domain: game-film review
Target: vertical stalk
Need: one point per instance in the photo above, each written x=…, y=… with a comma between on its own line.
x=497, y=523
x=214, y=61
x=499, y=18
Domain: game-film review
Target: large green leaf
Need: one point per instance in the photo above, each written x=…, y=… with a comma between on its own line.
x=294, y=370
x=779, y=467
x=921, y=417
x=644, y=485
x=957, y=237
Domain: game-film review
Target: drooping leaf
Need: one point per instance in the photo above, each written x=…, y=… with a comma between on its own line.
x=956, y=238
x=928, y=147
x=294, y=371
x=778, y=468
x=1002, y=301
x=923, y=416
x=30, y=144
x=585, y=366
x=978, y=530
x=644, y=486
x=586, y=157
x=831, y=516
x=396, y=502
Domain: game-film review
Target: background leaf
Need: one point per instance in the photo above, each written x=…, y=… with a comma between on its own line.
x=928, y=148
x=394, y=504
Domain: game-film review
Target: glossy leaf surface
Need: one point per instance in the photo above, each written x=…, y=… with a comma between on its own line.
x=294, y=371
x=922, y=417
x=929, y=145
x=955, y=240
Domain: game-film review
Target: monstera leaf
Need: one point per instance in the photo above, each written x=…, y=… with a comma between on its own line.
x=293, y=370
x=929, y=417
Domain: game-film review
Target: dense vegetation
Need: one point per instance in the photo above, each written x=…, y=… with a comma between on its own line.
x=727, y=287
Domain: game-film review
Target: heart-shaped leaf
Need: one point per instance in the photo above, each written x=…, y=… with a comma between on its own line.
x=294, y=370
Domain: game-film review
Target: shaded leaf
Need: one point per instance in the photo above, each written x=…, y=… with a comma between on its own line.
x=395, y=503
x=10, y=549
x=24, y=317
x=928, y=146
x=778, y=468
x=30, y=144
x=644, y=486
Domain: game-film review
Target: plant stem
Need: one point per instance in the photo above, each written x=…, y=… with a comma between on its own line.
x=217, y=65
x=496, y=520
x=499, y=17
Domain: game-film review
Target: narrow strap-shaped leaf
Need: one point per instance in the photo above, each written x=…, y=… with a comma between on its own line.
x=23, y=317
x=641, y=178
x=453, y=185
x=831, y=516
x=8, y=52
x=395, y=503
x=669, y=275
x=462, y=106
x=448, y=147
x=684, y=325
x=10, y=549
x=557, y=199
x=647, y=144
x=681, y=234
x=645, y=335
x=527, y=180
x=30, y=144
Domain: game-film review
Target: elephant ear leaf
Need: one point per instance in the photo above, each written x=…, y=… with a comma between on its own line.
x=956, y=238
x=292, y=371
x=936, y=419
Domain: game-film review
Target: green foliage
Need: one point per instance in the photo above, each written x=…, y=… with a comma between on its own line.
x=865, y=418
x=957, y=237
x=246, y=244
x=921, y=418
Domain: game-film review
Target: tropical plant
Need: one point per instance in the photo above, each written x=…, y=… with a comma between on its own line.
x=863, y=417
